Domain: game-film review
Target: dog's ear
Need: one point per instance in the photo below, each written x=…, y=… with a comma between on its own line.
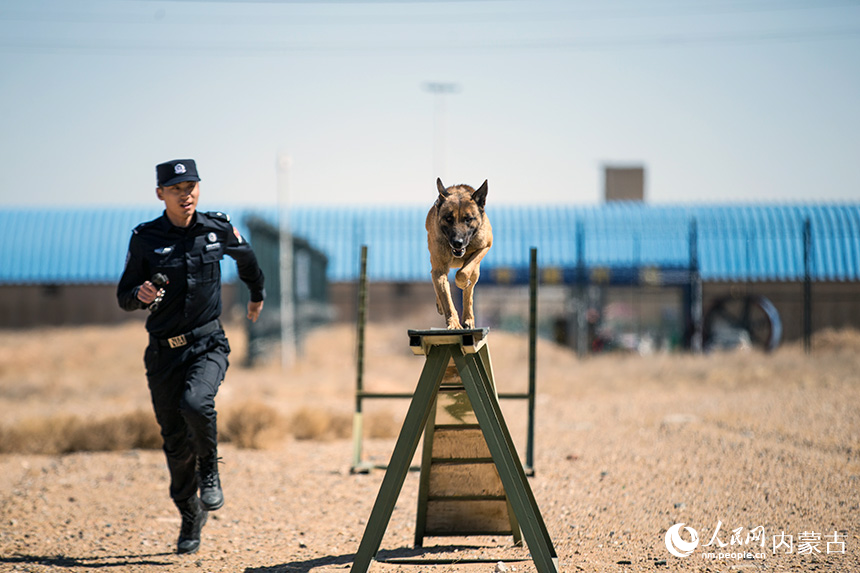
x=441, y=187
x=480, y=196
x=443, y=193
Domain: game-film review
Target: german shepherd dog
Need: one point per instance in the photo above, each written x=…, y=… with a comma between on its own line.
x=458, y=236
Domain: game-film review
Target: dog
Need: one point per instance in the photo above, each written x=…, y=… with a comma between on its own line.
x=459, y=235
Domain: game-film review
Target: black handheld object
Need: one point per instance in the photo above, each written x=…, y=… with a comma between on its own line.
x=159, y=280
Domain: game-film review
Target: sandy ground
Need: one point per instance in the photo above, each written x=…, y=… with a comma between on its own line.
x=626, y=447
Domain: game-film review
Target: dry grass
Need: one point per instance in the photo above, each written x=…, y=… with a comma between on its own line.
x=316, y=424
x=249, y=425
x=58, y=407
x=64, y=434
x=381, y=425
x=252, y=425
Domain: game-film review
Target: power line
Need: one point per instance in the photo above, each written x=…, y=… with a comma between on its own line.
x=194, y=39
x=666, y=40
x=534, y=13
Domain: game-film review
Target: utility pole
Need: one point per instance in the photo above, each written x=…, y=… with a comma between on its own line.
x=439, y=91
x=285, y=263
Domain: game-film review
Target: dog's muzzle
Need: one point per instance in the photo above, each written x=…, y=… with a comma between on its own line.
x=458, y=252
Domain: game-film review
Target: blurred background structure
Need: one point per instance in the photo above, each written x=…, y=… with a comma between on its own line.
x=621, y=275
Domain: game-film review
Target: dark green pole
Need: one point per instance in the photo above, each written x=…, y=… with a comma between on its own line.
x=357, y=422
x=533, y=286
x=807, y=286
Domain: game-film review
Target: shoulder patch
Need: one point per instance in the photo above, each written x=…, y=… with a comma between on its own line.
x=219, y=215
x=145, y=225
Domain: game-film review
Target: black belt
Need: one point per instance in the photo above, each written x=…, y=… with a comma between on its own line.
x=188, y=337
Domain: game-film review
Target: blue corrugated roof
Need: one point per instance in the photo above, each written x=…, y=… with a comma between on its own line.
x=735, y=242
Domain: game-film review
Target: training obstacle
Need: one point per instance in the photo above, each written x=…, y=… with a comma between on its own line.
x=460, y=491
x=361, y=394
x=468, y=351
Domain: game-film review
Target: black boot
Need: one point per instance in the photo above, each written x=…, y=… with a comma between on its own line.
x=210, y=482
x=193, y=518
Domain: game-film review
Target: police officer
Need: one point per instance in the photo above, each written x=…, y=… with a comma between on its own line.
x=173, y=270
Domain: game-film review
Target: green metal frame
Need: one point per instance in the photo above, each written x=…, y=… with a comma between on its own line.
x=463, y=346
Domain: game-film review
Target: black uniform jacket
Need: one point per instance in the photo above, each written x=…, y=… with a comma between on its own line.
x=190, y=258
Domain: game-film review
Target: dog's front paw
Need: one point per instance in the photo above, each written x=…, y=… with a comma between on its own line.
x=462, y=280
x=469, y=323
x=454, y=323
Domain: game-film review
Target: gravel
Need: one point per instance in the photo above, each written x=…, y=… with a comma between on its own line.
x=626, y=447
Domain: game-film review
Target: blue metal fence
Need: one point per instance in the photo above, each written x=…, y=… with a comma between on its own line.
x=734, y=242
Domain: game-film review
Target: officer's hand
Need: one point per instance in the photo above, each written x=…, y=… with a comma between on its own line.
x=147, y=292
x=254, y=309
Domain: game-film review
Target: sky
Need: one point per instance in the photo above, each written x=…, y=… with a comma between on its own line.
x=367, y=103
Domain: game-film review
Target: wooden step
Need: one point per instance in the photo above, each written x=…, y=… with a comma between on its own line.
x=460, y=492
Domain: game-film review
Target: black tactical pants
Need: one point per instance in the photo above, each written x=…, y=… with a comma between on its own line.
x=183, y=383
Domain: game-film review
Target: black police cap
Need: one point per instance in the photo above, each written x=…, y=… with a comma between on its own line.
x=176, y=171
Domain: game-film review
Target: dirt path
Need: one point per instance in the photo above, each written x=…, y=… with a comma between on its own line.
x=627, y=446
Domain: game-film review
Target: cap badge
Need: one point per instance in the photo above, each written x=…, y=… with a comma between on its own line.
x=179, y=169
